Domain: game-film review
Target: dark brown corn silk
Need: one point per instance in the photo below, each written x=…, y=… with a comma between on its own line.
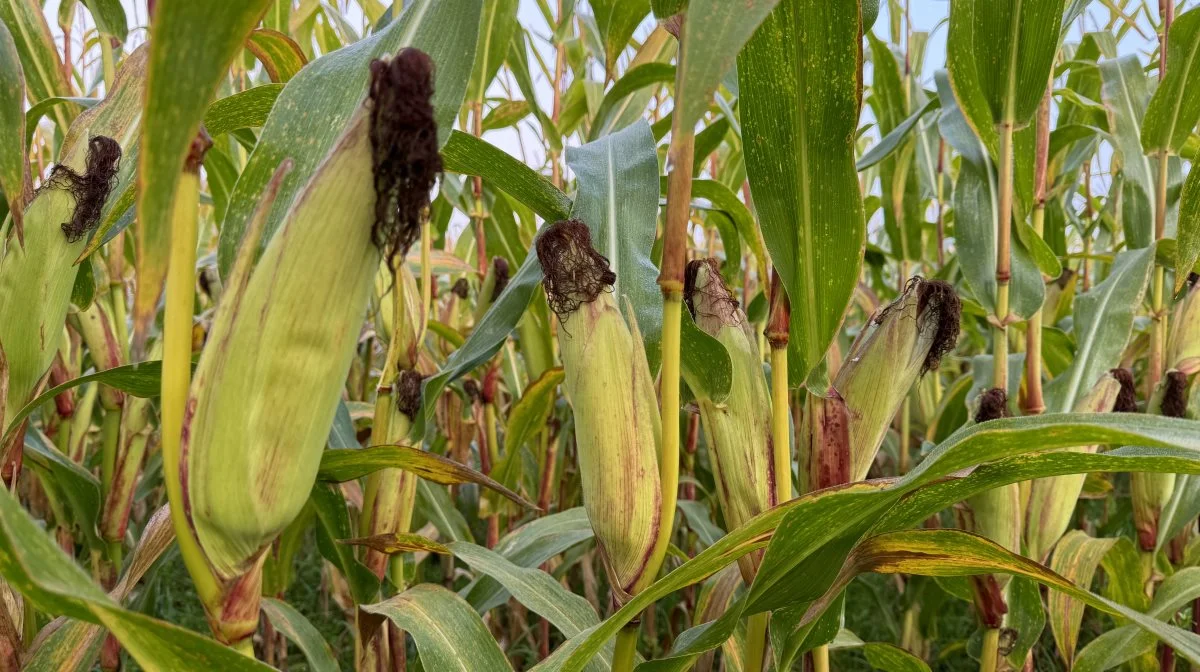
x=89, y=189
x=718, y=299
x=501, y=270
x=1175, y=396
x=993, y=404
x=404, y=149
x=940, y=298
x=461, y=288
x=1127, y=397
x=408, y=392
x=575, y=273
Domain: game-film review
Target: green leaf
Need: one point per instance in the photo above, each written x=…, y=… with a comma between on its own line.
x=244, y=109
x=12, y=128
x=1124, y=93
x=1181, y=509
x=466, y=154
x=1187, y=250
x=619, y=98
x=34, y=566
x=1025, y=615
x=186, y=67
x=296, y=627
x=704, y=362
x=436, y=505
x=279, y=54
x=723, y=199
x=78, y=486
x=792, y=571
x=396, y=542
x=68, y=644
x=901, y=201
x=317, y=102
x=957, y=553
x=1000, y=54
x=537, y=590
x=529, y=414
x=506, y=114
x=617, y=19
x=1174, y=108
x=43, y=69
x=1127, y=642
x=530, y=546
x=448, y=632
x=1103, y=323
x=618, y=200
x=497, y=27
x=890, y=658
x=333, y=525
x=892, y=139
x=109, y=16
x=346, y=465
x=140, y=380
x=799, y=80
x=714, y=33
x=1076, y=557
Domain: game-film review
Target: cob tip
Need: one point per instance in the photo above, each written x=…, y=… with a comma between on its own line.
x=946, y=308
x=1127, y=397
x=461, y=288
x=1175, y=396
x=575, y=273
x=408, y=392
x=703, y=277
x=404, y=149
x=501, y=271
x=993, y=404
x=91, y=188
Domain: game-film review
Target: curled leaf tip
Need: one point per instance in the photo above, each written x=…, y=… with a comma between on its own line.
x=89, y=189
x=993, y=404
x=404, y=149
x=1127, y=397
x=575, y=273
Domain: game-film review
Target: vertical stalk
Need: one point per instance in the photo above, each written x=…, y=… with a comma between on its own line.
x=1158, y=300
x=941, y=201
x=1034, y=403
x=756, y=642
x=560, y=62
x=177, y=365
x=670, y=281
x=778, y=334
x=990, y=653
x=478, y=214
x=1003, y=257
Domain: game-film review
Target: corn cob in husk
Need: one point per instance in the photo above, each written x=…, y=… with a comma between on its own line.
x=1183, y=342
x=900, y=342
x=36, y=278
x=608, y=384
x=737, y=431
x=267, y=385
x=1051, y=501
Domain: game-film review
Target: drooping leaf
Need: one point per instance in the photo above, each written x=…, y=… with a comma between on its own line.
x=44, y=75
x=186, y=66
x=799, y=78
x=280, y=56
x=1124, y=93
x=448, y=632
x=303, y=634
x=529, y=413
x=466, y=154
x=244, y=109
x=1076, y=557
x=617, y=19
x=1127, y=642
x=345, y=465
x=396, y=542
x=496, y=29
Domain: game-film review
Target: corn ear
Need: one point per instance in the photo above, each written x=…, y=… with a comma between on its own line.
x=900, y=342
x=738, y=431
x=824, y=442
x=608, y=384
x=1051, y=501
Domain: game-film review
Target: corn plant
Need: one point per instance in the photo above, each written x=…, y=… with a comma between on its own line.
x=648, y=335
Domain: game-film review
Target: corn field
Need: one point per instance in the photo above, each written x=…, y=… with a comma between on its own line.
x=566, y=335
